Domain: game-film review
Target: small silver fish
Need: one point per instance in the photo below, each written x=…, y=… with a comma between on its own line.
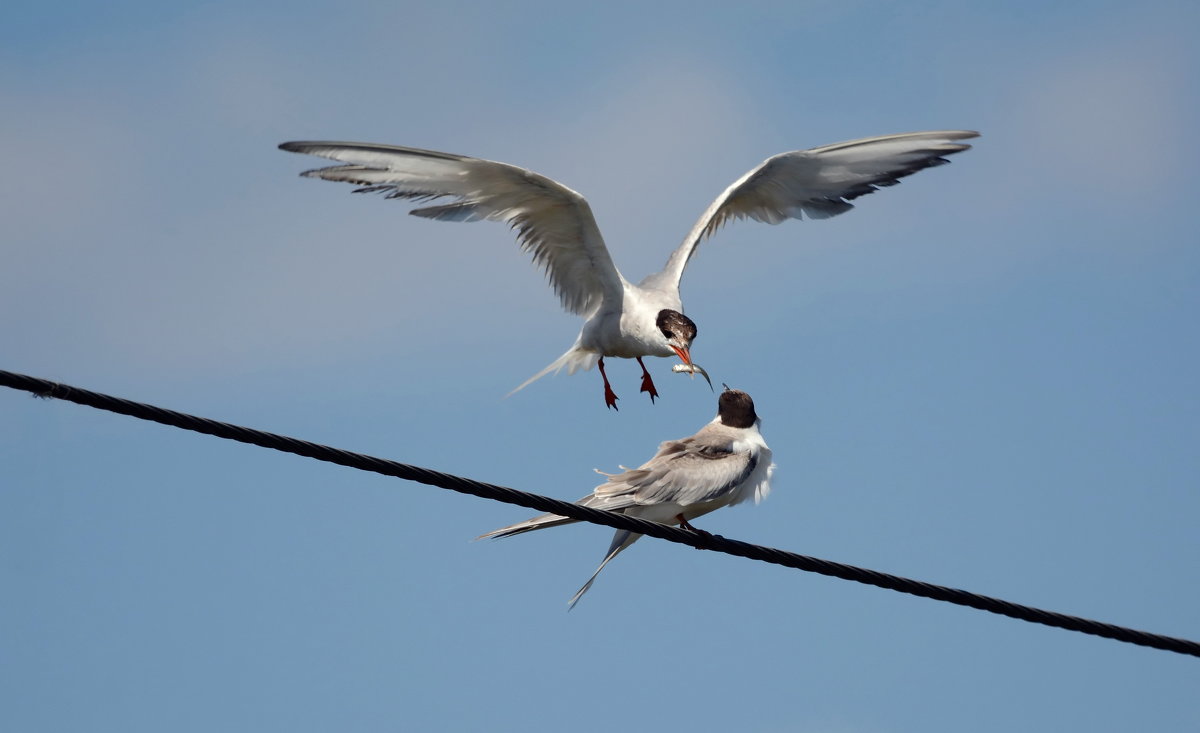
x=693, y=369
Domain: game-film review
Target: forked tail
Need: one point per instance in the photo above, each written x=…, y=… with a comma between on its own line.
x=622, y=539
x=545, y=521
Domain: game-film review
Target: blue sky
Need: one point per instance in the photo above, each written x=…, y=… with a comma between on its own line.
x=986, y=377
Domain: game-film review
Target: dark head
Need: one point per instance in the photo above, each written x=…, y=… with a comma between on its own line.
x=679, y=331
x=736, y=409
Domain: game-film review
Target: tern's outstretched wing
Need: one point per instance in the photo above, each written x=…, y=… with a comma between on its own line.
x=553, y=223
x=817, y=183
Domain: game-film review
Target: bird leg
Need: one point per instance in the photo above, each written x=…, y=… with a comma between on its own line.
x=610, y=397
x=684, y=523
x=647, y=382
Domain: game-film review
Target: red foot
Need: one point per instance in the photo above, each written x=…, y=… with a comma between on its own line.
x=647, y=382
x=610, y=397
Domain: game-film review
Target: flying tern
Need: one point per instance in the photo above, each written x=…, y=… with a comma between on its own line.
x=725, y=463
x=555, y=225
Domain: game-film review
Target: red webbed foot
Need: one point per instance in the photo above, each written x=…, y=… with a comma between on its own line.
x=647, y=382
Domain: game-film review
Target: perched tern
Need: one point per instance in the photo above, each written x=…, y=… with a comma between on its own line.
x=555, y=225
x=726, y=463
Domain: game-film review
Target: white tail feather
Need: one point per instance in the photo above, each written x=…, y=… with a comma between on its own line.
x=544, y=521
x=622, y=539
x=574, y=360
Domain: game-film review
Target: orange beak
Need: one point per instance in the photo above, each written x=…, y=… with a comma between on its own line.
x=683, y=354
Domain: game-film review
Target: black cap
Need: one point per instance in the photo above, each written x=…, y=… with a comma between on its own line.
x=736, y=409
x=674, y=324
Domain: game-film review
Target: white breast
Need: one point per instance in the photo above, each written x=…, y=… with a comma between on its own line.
x=631, y=332
x=758, y=483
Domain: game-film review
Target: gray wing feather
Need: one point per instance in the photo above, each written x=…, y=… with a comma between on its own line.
x=694, y=470
x=553, y=223
x=544, y=521
x=817, y=183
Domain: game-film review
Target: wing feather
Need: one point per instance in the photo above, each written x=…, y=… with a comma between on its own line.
x=554, y=224
x=694, y=470
x=816, y=183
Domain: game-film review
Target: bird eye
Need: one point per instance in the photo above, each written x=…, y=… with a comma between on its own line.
x=668, y=334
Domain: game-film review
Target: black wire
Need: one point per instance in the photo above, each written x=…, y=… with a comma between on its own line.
x=704, y=541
